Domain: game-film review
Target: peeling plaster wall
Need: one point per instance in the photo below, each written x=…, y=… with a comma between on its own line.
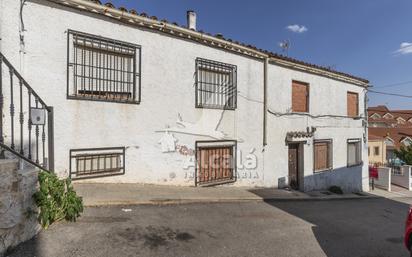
x=168, y=68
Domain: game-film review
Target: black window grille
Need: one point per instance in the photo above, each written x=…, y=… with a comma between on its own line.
x=216, y=85
x=102, y=69
x=97, y=162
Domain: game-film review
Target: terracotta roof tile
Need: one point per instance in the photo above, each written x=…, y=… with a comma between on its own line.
x=396, y=134
x=110, y=5
x=271, y=54
x=382, y=110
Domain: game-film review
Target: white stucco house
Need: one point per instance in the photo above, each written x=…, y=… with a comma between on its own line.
x=135, y=99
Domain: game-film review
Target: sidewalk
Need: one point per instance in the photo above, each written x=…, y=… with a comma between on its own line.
x=132, y=194
x=397, y=193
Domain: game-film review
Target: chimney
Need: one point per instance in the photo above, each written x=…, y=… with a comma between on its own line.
x=191, y=20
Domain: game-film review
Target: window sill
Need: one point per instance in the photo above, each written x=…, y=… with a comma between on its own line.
x=82, y=98
x=354, y=165
x=322, y=171
x=294, y=112
x=216, y=108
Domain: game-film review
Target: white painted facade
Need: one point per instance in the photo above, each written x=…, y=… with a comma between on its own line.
x=167, y=92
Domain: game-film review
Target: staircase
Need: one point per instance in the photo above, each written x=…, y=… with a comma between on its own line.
x=26, y=126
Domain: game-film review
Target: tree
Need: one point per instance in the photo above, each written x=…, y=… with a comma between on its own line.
x=404, y=154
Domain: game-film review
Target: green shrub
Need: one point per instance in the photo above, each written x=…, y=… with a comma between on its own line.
x=56, y=200
x=336, y=190
x=404, y=154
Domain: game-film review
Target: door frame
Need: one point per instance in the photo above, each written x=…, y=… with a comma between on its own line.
x=300, y=163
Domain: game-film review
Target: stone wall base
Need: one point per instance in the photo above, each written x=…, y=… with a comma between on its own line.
x=18, y=212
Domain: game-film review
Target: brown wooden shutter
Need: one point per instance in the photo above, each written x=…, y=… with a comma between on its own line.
x=353, y=104
x=321, y=156
x=300, y=97
x=215, y=164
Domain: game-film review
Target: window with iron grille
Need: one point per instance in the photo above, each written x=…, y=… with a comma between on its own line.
x=97, y=162
x=102, y=69
x=354, y=152
x=216, y=85
x=322, y=155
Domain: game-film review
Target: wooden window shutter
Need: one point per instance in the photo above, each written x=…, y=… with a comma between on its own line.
x=322, y=155
x=300, y=97
x=352, y=104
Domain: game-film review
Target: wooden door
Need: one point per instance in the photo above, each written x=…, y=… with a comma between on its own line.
x=294, y=166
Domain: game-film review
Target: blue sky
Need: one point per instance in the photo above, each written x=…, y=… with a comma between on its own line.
x=356, y=37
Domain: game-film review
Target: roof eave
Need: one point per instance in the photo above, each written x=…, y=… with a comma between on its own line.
x=95, y=7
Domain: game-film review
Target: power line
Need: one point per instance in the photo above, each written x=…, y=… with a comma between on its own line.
x=395, y=84
x=391, y=94
x=280, y=114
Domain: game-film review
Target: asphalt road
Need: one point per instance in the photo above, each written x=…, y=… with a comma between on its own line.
x=364, y=228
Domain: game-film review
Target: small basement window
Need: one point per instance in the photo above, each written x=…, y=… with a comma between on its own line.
x=354, y=152
x=216, y=85
x=102, y=69
x=322, y=155
x=97, y=162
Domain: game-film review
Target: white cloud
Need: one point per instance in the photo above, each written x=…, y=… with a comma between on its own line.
x=297, y=28
x=405, y=48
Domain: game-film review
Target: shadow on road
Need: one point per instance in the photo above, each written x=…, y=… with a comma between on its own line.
x=372, y=227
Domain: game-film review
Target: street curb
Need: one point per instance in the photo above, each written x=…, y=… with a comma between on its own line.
x=196, y=201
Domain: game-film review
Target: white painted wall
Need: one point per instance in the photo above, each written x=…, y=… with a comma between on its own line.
x=404, y=179
x=168, y=66
x=326, y=97
x=384, y=178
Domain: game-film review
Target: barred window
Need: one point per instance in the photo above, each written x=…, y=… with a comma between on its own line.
x=216, y=85
x=102, y=69
x=97, y=162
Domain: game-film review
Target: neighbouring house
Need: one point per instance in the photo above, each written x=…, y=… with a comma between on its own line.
x=388, y=130
x=107, y=94
x=383, y=141
x=381, y=117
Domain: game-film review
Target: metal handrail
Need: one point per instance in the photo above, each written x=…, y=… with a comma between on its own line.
x=17, y=74
x=25, y=126
x=5, y=147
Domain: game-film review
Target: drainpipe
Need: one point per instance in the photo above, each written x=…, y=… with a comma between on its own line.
x=1, y=24
x=265, y=100
x=365, y=111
